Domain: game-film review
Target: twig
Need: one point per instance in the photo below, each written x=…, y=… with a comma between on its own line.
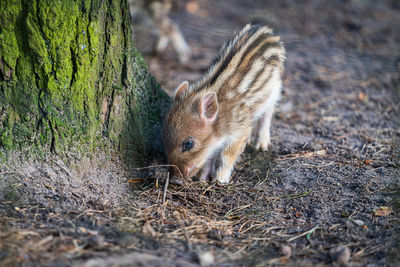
x=260, y=224
x=229, y=213
x=261, y=182
x=208, y=188
x=182, y=224
x=44, y=241
x=318, y=153
x=320, y=102
x=309, y=232
x=165, y=189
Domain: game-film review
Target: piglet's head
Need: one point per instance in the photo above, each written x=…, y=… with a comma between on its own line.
x=188, y=131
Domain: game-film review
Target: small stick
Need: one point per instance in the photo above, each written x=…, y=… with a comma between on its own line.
x=182, y=224
x=165, y=189
x=303, y=234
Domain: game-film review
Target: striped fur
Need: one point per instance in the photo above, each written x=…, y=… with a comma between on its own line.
x=245, y=77
x=237, y=56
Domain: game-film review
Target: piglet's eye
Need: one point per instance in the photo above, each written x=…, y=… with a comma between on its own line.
x=187, y=145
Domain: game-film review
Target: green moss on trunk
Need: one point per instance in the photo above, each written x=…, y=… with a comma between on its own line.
x=71, y=79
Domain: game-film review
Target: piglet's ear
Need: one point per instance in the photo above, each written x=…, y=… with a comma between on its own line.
x=209, y=108
x=181, y=90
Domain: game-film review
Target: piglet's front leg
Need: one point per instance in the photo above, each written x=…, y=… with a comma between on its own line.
x=208, y=169
x=228, y=157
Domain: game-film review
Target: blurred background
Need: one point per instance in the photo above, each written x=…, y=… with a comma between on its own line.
x=332, y=34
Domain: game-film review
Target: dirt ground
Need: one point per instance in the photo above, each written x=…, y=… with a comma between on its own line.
x=328, y=191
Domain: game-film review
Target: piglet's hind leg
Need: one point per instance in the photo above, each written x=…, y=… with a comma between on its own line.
x=274, y=86
x=263, y=136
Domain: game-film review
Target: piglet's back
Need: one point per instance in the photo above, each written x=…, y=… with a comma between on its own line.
x=243, y=74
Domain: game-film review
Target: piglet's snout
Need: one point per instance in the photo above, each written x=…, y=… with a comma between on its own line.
x=175, y=176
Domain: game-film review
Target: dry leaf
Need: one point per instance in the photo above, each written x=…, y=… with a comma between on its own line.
x=367, y=162
x=358, y=222
x=362, y=96
x=331, y=118
x=383, y=211
x=192, y=7
x=321, y=152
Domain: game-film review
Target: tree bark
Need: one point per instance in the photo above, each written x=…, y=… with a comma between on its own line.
x=71, y=79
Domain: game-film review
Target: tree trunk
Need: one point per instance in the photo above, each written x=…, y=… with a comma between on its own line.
x=71, y=79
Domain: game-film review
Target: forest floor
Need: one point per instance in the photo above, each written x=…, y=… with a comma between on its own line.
x=327, y=192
